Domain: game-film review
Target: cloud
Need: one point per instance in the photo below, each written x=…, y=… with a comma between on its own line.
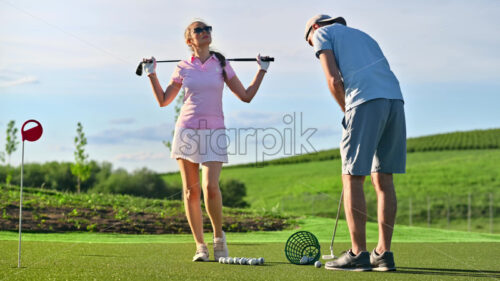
x=151, y=133
x=62, y=148
x=140, y=156
x=122, y=121
x=420, y=46
x=6, y=82
x=253, y=119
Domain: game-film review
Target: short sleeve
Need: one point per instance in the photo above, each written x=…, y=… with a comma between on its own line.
x=229, y=71
x=176, y=76
x=321, y=41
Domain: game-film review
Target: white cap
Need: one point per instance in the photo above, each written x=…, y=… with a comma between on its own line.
x=321, y=19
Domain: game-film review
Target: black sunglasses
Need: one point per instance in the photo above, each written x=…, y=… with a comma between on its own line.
x=199, y=30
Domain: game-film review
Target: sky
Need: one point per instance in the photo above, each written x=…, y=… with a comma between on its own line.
x=64, y=62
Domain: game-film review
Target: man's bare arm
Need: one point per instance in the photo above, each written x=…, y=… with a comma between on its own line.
x=333, y=77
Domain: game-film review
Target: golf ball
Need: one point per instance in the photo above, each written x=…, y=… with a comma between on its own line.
x=253, y=262
x=317, y=264
x=243, y=261
x=236, y=260
x=304, y=260
x=230, y=261
x=221, y=260
x=261, y=260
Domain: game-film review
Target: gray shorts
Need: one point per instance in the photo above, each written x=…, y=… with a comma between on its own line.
x=374, y=138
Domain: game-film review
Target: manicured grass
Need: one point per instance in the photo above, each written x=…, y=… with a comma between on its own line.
x=421, y=254
x=172, y=261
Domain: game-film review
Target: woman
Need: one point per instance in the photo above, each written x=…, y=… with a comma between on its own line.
x=199, y=136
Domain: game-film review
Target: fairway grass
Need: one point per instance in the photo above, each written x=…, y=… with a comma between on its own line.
x=313, y=188
x=172, y=261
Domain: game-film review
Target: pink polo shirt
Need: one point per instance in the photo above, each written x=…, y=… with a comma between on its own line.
x=203, y=84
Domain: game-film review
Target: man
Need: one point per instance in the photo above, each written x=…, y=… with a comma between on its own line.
x=373, y=135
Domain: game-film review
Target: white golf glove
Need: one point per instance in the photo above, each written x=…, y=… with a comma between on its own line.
x=264, y=65
x=149, y=65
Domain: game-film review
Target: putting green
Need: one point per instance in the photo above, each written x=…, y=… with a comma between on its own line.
x=421, y=254
x=172, y=261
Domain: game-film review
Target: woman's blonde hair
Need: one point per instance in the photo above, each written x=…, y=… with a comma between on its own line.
x=219, y=56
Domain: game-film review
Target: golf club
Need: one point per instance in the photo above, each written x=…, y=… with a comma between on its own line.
x=139, y=67
x=332, y=256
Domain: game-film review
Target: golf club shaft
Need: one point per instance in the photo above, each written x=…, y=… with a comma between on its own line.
x=139, y=67
x=167, y=61
x=337, y=220
x=234, y=59
x=252, y=59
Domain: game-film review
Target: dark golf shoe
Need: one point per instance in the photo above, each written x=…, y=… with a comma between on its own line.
x=383, y=262
x=348, y=261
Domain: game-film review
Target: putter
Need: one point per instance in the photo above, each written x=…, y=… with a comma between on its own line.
x=332, y=256
x=138, y=71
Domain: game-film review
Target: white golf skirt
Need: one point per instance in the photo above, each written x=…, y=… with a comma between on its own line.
x=200, y=145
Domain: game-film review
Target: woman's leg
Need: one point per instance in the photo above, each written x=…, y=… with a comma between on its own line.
x=191, y=195
x=212, y=195
x=213, y=204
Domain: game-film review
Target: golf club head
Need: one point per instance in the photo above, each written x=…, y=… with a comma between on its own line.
x=329, y=257
x=138, y=71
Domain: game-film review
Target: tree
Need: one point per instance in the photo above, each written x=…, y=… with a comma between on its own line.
x=81, y=168
x=178, y=105
x=11, y=142
x=10, y=147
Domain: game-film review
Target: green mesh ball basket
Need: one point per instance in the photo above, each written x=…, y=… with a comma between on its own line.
x=300, y=244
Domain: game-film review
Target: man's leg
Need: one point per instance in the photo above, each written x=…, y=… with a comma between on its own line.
x=355, y=211
x=387, y=206
x=362, y=126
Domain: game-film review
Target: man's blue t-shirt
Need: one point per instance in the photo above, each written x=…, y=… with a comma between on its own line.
x=363, y=66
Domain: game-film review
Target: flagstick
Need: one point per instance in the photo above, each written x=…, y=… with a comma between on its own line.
x=32, y=134
x=20, y=210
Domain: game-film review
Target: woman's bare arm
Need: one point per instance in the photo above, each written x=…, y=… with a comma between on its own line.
x=164, y=98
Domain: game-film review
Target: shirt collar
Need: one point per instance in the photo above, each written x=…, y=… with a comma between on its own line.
x=193, y=58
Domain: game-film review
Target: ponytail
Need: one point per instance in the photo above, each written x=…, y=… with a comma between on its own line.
x=222, y=61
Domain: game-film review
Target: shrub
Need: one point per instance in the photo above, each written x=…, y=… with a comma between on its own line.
x=233, y=192
x=143, y=182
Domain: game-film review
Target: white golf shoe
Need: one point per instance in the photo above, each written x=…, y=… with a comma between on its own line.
x=220, y=247
x=201, y=253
